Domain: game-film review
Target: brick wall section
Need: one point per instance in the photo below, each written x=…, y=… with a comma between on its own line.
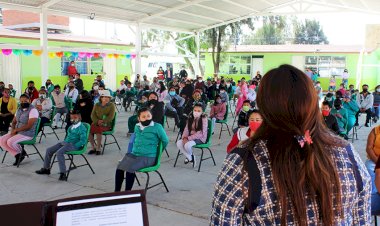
x=15, y=17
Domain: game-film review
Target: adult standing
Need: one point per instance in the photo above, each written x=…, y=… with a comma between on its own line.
x=78, y=83
x=258, y=76
x=160, y=74
x=168, y=74
x=183, y=73
x=345, y=77
x=71, y=69
x=293, y=171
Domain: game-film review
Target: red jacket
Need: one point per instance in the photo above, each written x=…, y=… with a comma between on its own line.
x=71, y=70
x=32, y=95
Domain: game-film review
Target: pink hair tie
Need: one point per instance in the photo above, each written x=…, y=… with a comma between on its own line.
x=304, y=139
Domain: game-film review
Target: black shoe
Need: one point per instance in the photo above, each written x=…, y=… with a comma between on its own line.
x=43, y=171
x=55, y=127
x=19, y=158
x=92, y=152
x=366, y=125
x=98, y=153
x=356, y=124
x=62, y=177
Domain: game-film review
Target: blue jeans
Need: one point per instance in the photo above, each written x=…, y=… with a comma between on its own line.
x=370, y=165
x=60, y=149
x=377, y=112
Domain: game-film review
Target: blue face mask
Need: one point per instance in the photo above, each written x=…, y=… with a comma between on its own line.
x=172, y=93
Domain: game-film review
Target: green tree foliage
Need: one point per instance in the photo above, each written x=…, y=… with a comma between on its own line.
x=309, y=32
x=273, y=32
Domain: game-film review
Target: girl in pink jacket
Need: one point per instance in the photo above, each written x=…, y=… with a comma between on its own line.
x=194, y=133
x=218, y=110
x=242, y=96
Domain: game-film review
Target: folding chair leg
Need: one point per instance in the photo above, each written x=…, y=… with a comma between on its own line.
x=200, y=161
x=234, y=120
x=147, y=182
x=116, y=141
x=71, y=157
x=87, y=163
x=179, y=135
x=167, y=123
x=375, y=220
x=37, y=152
x=137, y=180
x=54, y=132
x=176, y=159
x=221, y=128
x=212, y=156
x=104, y=144
x=162, y=179
x=166, y=151
x=228, y=129
x=5, y=154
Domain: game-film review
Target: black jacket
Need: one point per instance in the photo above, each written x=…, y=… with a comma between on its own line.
x=79, y=85
x=158, y=112
x=332, y=123
x=183, y=73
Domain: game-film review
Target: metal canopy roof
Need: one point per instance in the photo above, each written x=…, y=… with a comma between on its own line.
x=187, y=15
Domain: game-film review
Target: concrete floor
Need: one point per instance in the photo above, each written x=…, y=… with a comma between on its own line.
x=188, y=201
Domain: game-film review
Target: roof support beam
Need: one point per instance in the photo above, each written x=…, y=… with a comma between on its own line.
x=169, y=10
x=182, y=21
x=240, y=5
x=20, y=7
x=218, y=10
x=49, y=3
x=200, y=16
x=147, y=4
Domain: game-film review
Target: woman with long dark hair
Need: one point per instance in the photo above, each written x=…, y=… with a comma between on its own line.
x=293, y=171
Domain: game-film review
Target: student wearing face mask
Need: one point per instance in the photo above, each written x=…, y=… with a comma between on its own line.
x=223, y=94
x=243, y=114
x=196, y=98
x=376, y=103
x=78, y=82
x=330, y=98
x=148, y=135
x=31, y=91
x=71, y=69
x=44, y=106
x=365, y=103
x=75, y=140
x=352, y=108
x=84, y=106
x=252, y=96
x=12, y=91
x=341, y=115
x=8, y=107
x=199, y=84
x=218, y=110
x=243, y=95
x=242, y=134
x=194, y=133
x=72, y=93
x=133, y=120
x=330, y=120
x=49, y=87
x=59, y=102
x=23, y=128
x=174, y=105
x=319, y=90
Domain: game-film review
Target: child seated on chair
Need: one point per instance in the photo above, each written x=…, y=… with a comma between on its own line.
x=148, y=135
x=243, y=115
x=218, y=110
x=75, y=140
x=194, y=133
x=242, y=134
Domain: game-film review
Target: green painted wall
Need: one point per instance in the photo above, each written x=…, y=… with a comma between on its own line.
x=31, y=65
x=370, y=75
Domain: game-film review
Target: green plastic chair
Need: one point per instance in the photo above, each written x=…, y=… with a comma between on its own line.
x=154, y=168
x=80, y=152
x=31, y=142
x=49, y=124
x=224, y=122
x=206, y=145
x=110, y=133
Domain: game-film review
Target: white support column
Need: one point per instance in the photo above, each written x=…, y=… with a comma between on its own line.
x=44, y=46
x=138, y=50
x=198, y=63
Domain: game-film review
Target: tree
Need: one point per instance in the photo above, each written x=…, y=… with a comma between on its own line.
x=309, y=32
x=218, y=38
x=272, y=32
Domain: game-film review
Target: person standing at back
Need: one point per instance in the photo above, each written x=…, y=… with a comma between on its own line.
x=293, y=171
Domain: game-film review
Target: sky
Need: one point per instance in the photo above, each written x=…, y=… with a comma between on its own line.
x=340, y=28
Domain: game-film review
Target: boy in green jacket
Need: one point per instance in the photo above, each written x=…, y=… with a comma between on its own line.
x=75, y=140
x=144, y=152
